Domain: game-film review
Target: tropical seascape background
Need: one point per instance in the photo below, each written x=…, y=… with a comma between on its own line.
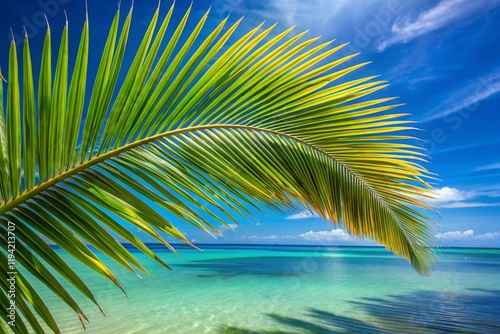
x=293, y=289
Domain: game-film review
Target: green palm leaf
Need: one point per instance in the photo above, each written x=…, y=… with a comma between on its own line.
x=204, y=131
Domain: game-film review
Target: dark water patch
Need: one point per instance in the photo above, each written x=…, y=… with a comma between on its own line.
x=474, y=311
x=471, y=265
x=219, y=276
x=438, y=312
x=225, y=268
x=283, y=265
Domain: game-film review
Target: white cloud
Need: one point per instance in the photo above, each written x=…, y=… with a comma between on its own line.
x=303, y=215
x=447, y=194
x=333, y=235
x=490, y=166
x=445, y=13
x=467, y=235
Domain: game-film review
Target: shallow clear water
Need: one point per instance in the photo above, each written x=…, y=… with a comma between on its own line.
x=295, y=289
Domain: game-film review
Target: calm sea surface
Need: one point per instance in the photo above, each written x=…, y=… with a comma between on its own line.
x=294, y=289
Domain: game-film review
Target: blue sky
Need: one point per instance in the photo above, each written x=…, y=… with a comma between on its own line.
x=441, y=58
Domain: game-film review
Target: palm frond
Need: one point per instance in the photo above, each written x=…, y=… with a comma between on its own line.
x=204, y=131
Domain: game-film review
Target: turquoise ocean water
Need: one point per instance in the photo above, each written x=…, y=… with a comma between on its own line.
x=294, y=289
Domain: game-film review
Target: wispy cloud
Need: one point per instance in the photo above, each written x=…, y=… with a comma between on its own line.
x=316, y=12
x=453, y=198
x=303, y=215
x=333, y=235
x=467, y=235
x=447, y=194
x=482, y=143
x=489, y=166
x=225, y=7
x=467, y=98
x=489, y=190
x=231, y=227
x=319, y=16
x=445, y=13
x=459, y=205
x=269, y=237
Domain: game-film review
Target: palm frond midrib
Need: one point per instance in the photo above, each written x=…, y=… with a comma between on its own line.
x=94, y=160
